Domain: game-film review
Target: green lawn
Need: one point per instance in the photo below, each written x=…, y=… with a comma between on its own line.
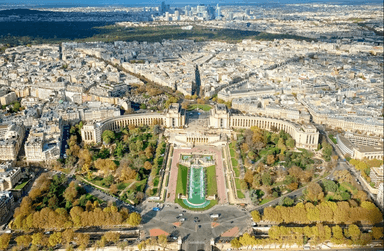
x=211, y=180
x=237, y=171
x=156, y=181
x=234, y=162
x=263, y=201
x=237, y=181
x=181, y=203
x=233, y=153
x=22, y=185
x=202, y=107
x=182, y=176
x=141, y=185
x=122, y=185
x=240, y=194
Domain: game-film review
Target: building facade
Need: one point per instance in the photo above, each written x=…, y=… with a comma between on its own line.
x=6, y=204
x=11, y=138
x=9, y=176
x=306, y=136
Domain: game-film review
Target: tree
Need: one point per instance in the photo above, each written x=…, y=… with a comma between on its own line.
x=361, y=196
x=330, y=186
x=23, y=241
x=354, y=232
x=256, y=183
x=327, y=151
x=335, y=158
x=337, y=232
x=293, y=186
x=244, y=147
x=243, y=185
x=4, y=241
x=248, y=177
x=235, y=243
x=266, y=179
x=108, y=136
x=68, y=235
x=113, y=189
x=147, y=165
x=55, y=239
x=314, y=192
x=134, y=219
x=112, y=237
x=271, y=159
x=377, y=233
x=162, y=240
x=70, y=194
x=287, y=201
x=290, y=143
x=256, y=216
x=83, y=240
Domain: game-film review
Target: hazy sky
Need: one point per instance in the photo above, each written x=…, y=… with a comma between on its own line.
x=171, y=2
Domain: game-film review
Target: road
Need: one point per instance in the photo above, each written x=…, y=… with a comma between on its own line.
x=356, y=174
x=201, y=230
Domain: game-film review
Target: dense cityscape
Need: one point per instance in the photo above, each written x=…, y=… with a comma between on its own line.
x=196, y=127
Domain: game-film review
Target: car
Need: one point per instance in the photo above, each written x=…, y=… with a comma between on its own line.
x=196, y=218
x=181, y=214
x=199, y=226
x=174, y=238
x=231, y=222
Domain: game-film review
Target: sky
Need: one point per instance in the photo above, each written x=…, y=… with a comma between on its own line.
x=157, y=2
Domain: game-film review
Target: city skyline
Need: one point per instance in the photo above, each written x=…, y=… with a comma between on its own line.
x=53, y=3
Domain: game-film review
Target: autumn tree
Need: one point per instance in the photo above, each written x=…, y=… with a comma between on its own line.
x=68, y=235
x=113, y=189
x=23, y=241
x=147, y=165
x=82, y=240
x=162, y=240
x=112, y=237
x=70, y=194
x=105, y=165
x=314, y=192
x=271, y=159
x=256, y=216
x=235, y=243
x=4, y=241
x=134, y=219
x=248, y=177
x=377, y=233
x=354, y=232
x=55, y=239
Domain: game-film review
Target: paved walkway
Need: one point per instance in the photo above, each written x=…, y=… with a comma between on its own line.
x=221, y=189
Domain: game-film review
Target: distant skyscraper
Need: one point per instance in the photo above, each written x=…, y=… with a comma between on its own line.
x=200, y=8
x=162, y=8
x=177, y=15
x=230, y=15
x=248, y=12
x=218, y=10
